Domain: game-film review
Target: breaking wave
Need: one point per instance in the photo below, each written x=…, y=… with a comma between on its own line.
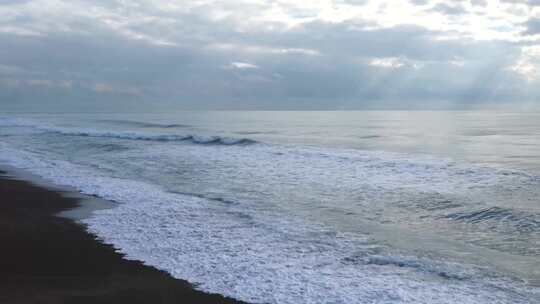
x=206, y=140
x=195, y=139
x=521, y=221
x=263, y=256
x=246, y=222
x=141, y=124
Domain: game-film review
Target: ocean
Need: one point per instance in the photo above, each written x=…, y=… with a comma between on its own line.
x=308, y=207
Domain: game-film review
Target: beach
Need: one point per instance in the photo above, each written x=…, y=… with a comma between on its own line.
x=46, y=258
x=299, y=207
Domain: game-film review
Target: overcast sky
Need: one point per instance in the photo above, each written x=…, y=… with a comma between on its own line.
x=256, y=54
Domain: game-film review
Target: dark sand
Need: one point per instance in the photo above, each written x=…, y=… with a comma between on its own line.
x=49, y=259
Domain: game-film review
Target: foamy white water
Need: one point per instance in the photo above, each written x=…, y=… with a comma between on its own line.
x=267, y=220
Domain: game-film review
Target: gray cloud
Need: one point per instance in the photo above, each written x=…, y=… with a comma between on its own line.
x=449, y=9
x=10, y=2
x=533, y=26
x=479, y=2
x=419, y=2
x=119, y=56
x=524, y=2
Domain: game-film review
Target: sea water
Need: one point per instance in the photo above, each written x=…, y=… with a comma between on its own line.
x=308, y=207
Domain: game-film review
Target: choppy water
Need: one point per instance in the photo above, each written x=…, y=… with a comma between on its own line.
x=308, y=207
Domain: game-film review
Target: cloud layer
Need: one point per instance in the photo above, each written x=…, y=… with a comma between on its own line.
x=257, y=54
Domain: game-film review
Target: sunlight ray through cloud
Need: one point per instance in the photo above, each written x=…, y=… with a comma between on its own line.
x=168, y=48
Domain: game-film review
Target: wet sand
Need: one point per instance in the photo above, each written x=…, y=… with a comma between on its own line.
x=45, y=258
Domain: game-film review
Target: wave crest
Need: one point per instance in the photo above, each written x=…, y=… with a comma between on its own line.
x=144, y=124
x=520, y=220
x=195, y=139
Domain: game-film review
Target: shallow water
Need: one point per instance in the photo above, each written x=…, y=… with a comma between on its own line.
x=288, y=207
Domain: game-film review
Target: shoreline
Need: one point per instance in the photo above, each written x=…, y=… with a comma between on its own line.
x=48, y=257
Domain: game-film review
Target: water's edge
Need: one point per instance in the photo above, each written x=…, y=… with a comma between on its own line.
x=85, y=206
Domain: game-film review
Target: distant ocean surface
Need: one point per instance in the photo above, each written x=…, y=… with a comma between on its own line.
x=308, y=207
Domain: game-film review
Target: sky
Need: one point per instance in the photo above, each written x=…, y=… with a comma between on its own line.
x=119, y=55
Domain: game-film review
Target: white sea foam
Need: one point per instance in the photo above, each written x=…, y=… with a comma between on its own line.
x=259, y=254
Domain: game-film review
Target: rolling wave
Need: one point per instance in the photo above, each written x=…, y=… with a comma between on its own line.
x=205, y=140
x=195, y=139
x=144, y=124
x=270, y=256
x=107, y=147
x=238, y=232
x=520, y=220
x=445, y=271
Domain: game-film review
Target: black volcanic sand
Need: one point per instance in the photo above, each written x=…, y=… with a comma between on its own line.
x=48, y=259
